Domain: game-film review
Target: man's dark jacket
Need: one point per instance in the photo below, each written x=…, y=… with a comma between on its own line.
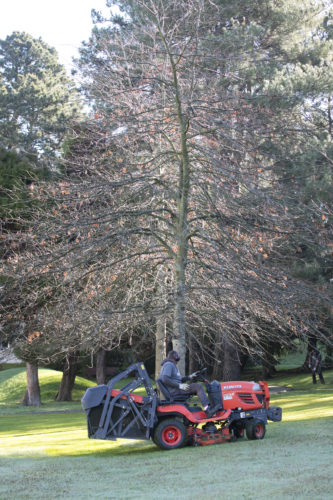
x=171, y=377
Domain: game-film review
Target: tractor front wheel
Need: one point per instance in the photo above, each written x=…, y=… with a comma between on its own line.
x=255, y=429
x=170, y=434
x=237, y=429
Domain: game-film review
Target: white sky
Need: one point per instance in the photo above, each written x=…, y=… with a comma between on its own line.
x=63, y=24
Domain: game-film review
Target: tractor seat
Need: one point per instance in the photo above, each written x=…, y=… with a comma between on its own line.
x=167, y=397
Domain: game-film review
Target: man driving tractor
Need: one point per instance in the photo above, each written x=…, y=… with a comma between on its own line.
x=178, y=385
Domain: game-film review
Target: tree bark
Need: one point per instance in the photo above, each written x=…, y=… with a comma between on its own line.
x=68, y=378
x=218, y=361
x=194, y=355
x=32, y=396
x=329, y=115
x=101, y=367
x=160, y=347
x=183, y=187
x=268, y=362
x=179, y=326
x=231, y=362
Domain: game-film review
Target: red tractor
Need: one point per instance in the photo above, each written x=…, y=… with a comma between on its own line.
x=173, y=422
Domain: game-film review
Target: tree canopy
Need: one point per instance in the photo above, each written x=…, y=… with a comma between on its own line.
x=187, y=207
x=37, y=99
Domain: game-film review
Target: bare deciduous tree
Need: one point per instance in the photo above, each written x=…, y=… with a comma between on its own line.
x=174, y=220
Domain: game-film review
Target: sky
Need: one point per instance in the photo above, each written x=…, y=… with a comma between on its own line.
x=63, y=24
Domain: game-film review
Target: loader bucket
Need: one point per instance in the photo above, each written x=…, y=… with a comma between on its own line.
x=113, y=413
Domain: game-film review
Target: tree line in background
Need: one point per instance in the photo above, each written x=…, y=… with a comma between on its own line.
x=180, y=197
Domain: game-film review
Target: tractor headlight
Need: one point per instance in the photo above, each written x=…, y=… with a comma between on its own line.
x=256, y=387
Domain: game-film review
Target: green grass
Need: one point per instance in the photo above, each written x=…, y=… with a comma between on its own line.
x=13, y=385
x=48, y=455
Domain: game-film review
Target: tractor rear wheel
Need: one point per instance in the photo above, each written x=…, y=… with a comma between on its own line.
x=255, y=429
x=170, y=434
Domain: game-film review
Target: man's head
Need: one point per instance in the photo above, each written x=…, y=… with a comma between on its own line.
x=173, y=356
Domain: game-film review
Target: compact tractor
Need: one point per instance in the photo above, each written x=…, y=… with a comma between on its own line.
x=172, y=422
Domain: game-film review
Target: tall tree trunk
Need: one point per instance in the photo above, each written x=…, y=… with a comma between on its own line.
x=161, y=338
x=101, y=367
x=183, y=187
x=160, y=344
x=68, y=378
x=218, y=360
x=179, y=325
x=329, y=115
x=194, y=355
x=32, y=395
x=268, y=362
x=231, y=362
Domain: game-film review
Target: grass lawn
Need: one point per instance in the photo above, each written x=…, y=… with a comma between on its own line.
x=48, y=455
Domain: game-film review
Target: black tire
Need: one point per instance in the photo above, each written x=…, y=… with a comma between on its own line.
x=237, y=429
x=170, y=434
x=255, y=429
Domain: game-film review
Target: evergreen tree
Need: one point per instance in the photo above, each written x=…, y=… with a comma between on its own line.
x=303, y=90
x=38, y=103
x=17, y=176
x=37, y=99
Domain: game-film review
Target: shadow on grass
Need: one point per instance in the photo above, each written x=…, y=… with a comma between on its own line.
x=122, y=448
